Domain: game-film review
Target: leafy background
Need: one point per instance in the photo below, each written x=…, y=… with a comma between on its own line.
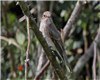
x=14, y=37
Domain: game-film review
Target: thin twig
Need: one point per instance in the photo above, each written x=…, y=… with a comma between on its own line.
x=94, y=62
x=13, y=72
x=85, y=39
x=98, y=57
x=51, y=6
x=85, y=49
x=46, y=65
x=31, y=11
x=94, y=59
x=27, y=19
x=42, y=70
x=10, y=41
x=42, y=59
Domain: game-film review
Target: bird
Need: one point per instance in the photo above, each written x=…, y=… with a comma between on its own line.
x=52, y=36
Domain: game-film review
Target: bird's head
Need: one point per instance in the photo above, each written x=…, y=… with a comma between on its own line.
x=46, y=17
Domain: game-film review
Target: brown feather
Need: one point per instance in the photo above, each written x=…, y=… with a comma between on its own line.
x=56, y=39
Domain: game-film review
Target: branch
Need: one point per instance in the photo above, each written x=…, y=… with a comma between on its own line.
x=94, y=59
x=85, y=39
x=24, y=17
x=51, y=6
x=11, y=41
x=42, y=70
x=72, y=19
x=42, y=59
x=3, y=4
x=82, y=61
x=85, y=49
x=13, y=72
x=39, y=36
x=27, y=19
x=98, y=57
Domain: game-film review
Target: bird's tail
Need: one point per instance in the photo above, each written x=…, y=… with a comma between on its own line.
x=66, y=61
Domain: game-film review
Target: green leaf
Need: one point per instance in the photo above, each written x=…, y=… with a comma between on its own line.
x=99, y=14
x=20, y=37
x=77, y=44
x=84, y=24
x=97, y=7
x=63, y=13
x=2, y=60
x=79, y=22
x=69, y=44
x=11, y=17
x=30, y=73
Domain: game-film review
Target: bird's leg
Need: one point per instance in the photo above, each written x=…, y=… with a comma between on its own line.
x=55, y=53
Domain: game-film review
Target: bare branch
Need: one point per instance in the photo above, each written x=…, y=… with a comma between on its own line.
x=42, y=59
x=24, y=17
x=72, y=19
x=95, y=51
x=42, y=70
x=82, y=61
x=27, y=19
x=10, y=41
x=85, y=49
x=51, y=6
x=98, y=57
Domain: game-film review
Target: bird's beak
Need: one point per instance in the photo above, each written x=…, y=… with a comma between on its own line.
x=49, y=16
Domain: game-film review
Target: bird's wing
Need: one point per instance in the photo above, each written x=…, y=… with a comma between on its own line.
x=56, y=38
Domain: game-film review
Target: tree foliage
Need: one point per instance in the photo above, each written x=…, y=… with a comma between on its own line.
x=14, y=38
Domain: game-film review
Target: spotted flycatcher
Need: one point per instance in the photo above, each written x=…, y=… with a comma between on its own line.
x=52, y=36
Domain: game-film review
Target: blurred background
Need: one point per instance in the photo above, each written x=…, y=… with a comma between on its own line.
x=14, y=38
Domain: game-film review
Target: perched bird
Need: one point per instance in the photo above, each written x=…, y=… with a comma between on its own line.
x=52, y=36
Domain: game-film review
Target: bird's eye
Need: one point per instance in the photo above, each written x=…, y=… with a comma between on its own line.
x=44, y=15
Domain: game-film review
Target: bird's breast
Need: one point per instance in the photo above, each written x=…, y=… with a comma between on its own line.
x=43, y=29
